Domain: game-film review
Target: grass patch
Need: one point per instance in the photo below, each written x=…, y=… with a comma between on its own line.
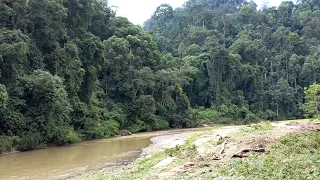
x=259, y=127
x=262, y=126
x=188, y=149
x=302, y=120
x=296, y=156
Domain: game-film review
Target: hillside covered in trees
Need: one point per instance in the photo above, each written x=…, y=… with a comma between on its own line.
x=71, y=70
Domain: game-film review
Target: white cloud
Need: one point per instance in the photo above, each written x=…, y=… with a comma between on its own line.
x=138, y=11
x=260, y=3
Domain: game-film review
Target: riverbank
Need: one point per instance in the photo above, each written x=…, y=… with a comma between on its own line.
x=10, y=152
x=198, y=155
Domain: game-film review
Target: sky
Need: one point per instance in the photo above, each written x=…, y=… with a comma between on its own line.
x=138, y=11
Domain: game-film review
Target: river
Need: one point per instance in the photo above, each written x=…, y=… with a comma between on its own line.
x=66, y=161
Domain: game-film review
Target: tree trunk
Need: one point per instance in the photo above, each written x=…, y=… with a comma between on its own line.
x=295, y=84
x=277, y=109
x=316, y=100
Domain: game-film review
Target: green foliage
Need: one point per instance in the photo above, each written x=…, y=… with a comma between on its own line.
x=101, y=123
x=224, y=114
x=262, y=126
x=102, y=130
x=6, y=144
x=251, y=64
x=3, y=96
x=110, y=128
x=30, y=141
x=48, y=107
x=312, y=100
x=160, y=124
x=66, y=136
x=209, y=115
x=71, y=70
x=139, y=126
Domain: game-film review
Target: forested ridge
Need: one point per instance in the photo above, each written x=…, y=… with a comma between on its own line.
x=71, y=70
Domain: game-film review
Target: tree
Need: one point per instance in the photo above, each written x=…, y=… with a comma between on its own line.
x=43, y=20
x=91, y=54
x=6, y=15
x=119, y=73
x=282, y=96
x=71, y=68
x=3, y=96
x=65, y=63
x=47, y=109
x=312, y=100
x=14, y=50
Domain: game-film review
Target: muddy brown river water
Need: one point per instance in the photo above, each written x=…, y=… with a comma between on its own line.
x=68, y=161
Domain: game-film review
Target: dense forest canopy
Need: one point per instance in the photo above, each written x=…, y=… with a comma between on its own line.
x=71, y=70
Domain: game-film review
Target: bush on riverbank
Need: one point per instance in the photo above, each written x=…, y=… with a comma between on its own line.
x=227, y=114
x=30, y=141
x=5, y=144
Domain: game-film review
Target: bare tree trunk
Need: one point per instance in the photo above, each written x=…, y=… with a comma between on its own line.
x=295, y=84
x=277, y=109
x=224, y=31
x=287, y=69
x=135, y=94
x=316, y=100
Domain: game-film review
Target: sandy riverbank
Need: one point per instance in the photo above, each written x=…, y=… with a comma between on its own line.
x=160, y=141
x=194, y=154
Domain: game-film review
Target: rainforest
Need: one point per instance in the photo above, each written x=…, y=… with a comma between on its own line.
x=71, y=70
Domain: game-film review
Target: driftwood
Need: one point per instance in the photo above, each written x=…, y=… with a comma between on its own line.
x=243, y=153
x=223, y=148
x=217, y=158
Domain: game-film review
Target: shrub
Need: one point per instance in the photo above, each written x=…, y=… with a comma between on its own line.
x=270, y=115
x=110, y=128
x=30, y=141
x=139, y=126
x=251, y=118
x=3, y=96
x=160, y=124
x=103, y=129
x=6, y=144
x=209, y=115
x=66, y=136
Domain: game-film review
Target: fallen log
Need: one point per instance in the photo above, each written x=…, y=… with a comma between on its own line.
x=243, y=153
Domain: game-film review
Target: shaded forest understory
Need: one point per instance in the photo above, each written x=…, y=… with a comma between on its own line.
x=71, y=70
